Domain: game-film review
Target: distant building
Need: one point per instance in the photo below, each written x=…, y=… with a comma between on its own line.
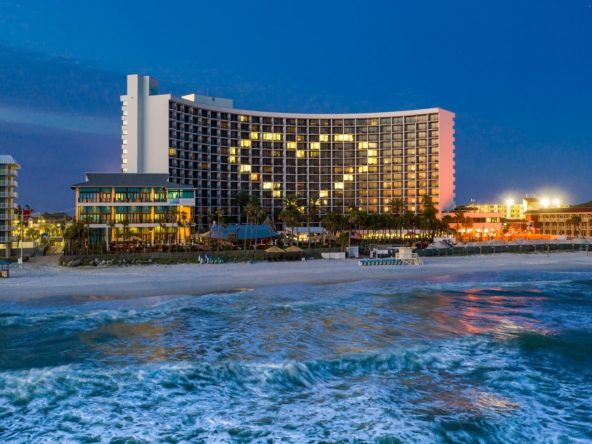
x=8, y=214
x=557, y=221
x=359, y=160
x=513, y=210
x=148, y=204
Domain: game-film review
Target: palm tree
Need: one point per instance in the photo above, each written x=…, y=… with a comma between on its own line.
x=241, y=199
x=575, y=221
x=259, y=216
x=290, y=212
x=314, y=203
x=446, y=221
x=219, y=213
x=163, y=230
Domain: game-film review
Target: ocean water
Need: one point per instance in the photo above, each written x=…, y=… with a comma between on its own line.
x=485, y=358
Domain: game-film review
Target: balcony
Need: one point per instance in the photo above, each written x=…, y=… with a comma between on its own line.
x=8, y=217
x=9, y=194
x=6, y=239
x=8, y=183
x=9, y=173
x=9, y=206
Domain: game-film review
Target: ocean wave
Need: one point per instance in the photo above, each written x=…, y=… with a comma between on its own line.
x=489, y=358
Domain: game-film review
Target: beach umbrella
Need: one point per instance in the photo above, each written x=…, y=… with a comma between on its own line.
x=294, y=249
x=274, y=249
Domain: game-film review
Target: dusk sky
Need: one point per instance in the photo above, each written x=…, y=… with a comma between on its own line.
x=518, y=75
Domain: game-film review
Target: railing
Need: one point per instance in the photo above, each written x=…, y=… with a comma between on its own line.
x=8, y=183
x=6, y=239
x=9, y=194
x=8, y=206
x=119, y=223
x=497, y=249
x=101, y=200
x=9, y=173
x=8, y=217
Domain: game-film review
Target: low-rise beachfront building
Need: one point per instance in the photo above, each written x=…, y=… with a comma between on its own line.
x=120, y=207
x=515, y=210
x=574, y=221
x=8, y=207
x=480, y=224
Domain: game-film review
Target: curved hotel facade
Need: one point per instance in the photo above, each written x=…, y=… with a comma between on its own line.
x=363, y=160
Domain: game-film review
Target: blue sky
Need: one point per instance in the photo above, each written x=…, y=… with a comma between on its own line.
x=517, y=75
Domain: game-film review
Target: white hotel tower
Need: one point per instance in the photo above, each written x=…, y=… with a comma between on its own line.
x=364, y=160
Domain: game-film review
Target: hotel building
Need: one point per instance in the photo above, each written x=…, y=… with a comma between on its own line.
x=364, y=160
x=514, y=210
x=142, y=206
x=8, y=207
x=558, y=221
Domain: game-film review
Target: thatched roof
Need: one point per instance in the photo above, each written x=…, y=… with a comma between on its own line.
x=294, y=249
x=274, y=249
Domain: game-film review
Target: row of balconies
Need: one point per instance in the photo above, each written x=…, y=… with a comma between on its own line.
x=107, y=200
x=564, y=218
x=6, y=239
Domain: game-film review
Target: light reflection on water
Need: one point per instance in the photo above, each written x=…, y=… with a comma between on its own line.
x=489, y=358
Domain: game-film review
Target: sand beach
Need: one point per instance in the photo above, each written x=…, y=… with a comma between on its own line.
x=46, y=279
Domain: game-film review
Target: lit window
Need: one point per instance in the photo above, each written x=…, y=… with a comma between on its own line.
x=172, y=152
x=277, y=194
x=124, y=113
x=267, y=136
x=347, y=177
x=123, y=160
x=245, y=168
x=124, y=132
x=338, y=185
x=124, y=170
x=324, y=194
x=244, y=118
x=363, y=169
x=343, y=138
x=245, y=143
x=324, y=138
x=254, y=176
x=372, y=161
x=314, y=154
x=124, y=151
x=232, y=159
x=362, y=145
x=124, y=103
x=372, y=145
x=124, y=122
x=267, y=185
x=124, y=141
x=372, y=153
x=301, y=138
x=278, y=137
x=315, y=146
x=300, y=153
x=291, y=145
x=255, y=136
x=234, y=151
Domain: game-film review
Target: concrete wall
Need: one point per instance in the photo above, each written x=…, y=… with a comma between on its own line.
x=447, y=185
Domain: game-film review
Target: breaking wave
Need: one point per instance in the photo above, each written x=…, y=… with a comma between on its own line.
x=487, y=358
